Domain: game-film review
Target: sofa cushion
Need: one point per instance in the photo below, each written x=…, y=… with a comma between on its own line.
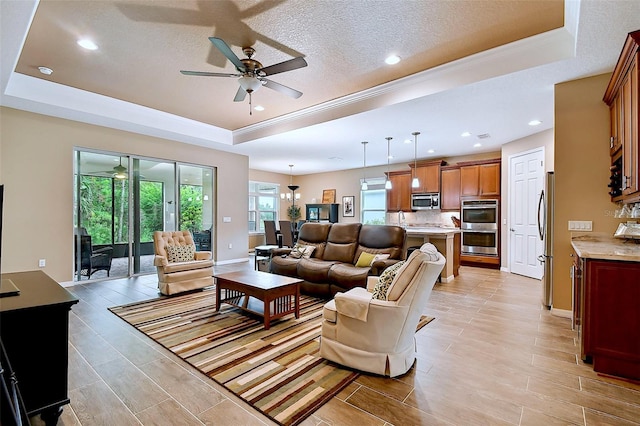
x=347, y=276
x=314, y=234
x=342, y=242
x=384, y=282
x=383, y=239
x=179, y=253
x=314, y=270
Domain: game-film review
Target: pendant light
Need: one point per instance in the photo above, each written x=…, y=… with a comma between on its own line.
x=364, y=167
x=387, y=183
x=415, y=183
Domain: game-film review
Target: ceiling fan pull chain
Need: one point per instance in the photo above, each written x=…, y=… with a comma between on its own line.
x=250, y=108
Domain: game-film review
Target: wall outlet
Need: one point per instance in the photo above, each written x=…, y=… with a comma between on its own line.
x=42, y=263
x=230, y=245
x=580, y=225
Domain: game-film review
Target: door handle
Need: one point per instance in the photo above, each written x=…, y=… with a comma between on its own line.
x=512, y=230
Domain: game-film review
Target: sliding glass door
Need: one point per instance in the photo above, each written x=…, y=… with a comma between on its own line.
x=114, y=191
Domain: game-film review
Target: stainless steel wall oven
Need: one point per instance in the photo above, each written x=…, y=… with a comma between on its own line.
x=479, y=227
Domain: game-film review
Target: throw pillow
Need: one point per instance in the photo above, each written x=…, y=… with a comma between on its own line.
x=180, y=253
x=302, y=251
x=380, y=257
x=365, y=260
x=385, y=280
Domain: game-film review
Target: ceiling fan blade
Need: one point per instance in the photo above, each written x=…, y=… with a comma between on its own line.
x=281, y=88
x=240, y=95
x=291, y=64
x=226, y=51
x=209, y=74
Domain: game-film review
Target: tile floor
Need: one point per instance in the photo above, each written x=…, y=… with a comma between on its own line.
x=492, y=356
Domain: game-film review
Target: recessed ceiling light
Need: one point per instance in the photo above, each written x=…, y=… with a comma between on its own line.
x=87, y=44
x=259, y=108
x=477, y=145
x=390, y=157
x=392, y=59
x=465, y=134
x=335, y=158
x=535, y=122
x=45, y=70
x=431, y=151
x=408, y=141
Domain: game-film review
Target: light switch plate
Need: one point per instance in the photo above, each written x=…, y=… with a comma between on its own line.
x=580, y=225
x=226, y=219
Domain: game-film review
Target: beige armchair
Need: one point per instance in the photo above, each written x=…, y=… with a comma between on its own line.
x=378, y=336
x=180, y=267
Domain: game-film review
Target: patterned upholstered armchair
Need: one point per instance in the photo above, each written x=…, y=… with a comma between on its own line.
x=180, y=267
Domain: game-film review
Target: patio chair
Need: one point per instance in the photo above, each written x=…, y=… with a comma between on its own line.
x=91, y=261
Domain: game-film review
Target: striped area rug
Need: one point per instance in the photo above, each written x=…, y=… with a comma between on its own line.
x=278, y=371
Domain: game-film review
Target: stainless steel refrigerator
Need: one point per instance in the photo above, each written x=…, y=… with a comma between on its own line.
x=545, y=229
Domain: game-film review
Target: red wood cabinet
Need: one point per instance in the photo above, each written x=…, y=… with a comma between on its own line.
x=480, y=179
x=450, y=192
x=608, y=316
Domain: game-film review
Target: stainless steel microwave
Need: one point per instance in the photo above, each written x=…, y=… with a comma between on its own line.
x=430, y=201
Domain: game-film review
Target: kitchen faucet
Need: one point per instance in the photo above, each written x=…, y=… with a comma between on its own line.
x=401, y=219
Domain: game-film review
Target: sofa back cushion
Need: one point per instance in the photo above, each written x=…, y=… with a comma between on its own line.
x=342, y=242
x=314, y=234
x=382, y=239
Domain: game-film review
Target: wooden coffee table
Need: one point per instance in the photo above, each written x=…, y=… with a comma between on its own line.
x=268, y=295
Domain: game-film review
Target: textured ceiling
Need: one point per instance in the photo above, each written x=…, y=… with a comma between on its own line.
x=487, y=67
x=143, y=45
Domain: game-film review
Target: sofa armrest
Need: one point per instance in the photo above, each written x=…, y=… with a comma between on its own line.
x=379, y=266
x=354, y=303
x=160, y=261
x=202, y=255
x=280, y=251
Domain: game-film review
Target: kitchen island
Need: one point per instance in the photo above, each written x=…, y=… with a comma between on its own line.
x=446, y=240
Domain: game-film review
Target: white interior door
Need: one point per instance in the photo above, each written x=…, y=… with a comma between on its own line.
x=526, y=179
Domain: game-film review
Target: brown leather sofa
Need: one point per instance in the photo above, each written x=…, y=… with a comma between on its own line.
x=331, y=268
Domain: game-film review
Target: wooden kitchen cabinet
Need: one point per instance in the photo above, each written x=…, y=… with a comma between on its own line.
x=450, y=188
x=428, y=174
x=621, y=96
x=607, y=315
x=480, y=179
x=399, y=196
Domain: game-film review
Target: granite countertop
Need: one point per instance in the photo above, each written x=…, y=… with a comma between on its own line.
x=431, y=230
x=606, y=248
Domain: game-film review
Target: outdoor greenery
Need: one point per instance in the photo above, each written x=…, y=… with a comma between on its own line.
x=104, y=209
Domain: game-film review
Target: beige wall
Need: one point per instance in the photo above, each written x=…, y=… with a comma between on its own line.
x=37, y=170
x=581, y=172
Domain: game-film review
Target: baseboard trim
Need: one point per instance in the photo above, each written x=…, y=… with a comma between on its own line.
x=561, y=313
x=504, y=269
x=226, y=262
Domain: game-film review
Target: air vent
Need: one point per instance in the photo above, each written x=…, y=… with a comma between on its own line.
x=484, y=136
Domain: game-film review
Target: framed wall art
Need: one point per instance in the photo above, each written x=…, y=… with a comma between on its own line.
x=347, y=206
x=328, y=196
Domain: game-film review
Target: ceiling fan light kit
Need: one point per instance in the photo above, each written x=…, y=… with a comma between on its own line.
x=252, y=75
x=364, y=186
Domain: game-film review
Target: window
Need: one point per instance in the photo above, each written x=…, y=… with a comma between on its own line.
x=263, y=204
x=373, y=203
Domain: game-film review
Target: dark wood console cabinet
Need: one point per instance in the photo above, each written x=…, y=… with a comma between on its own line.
x=34, y=327
x=607, y=316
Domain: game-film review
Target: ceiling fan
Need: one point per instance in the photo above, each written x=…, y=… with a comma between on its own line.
x=118, y=172
x=251, y=74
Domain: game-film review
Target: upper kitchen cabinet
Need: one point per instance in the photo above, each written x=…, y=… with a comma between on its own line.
x=399, y=196
x=480, y=178
x=450, y=188
x=428, y=174
x=622, y=98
